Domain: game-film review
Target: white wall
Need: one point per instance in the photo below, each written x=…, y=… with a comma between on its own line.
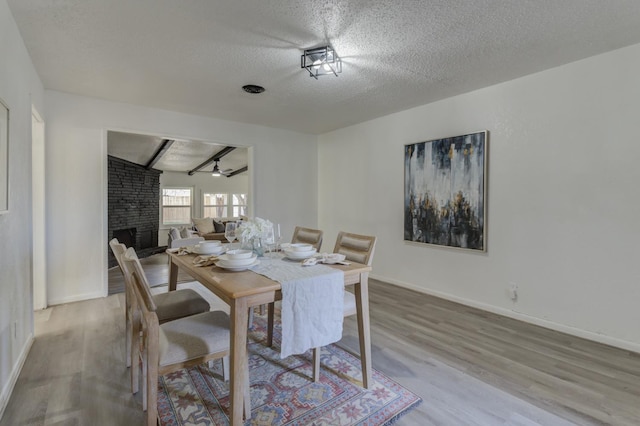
x=20, y=87
x=201, y=183
x=77, y=179
x=563, y=203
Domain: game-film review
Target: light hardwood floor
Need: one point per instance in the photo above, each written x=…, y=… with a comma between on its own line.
x=469, y=366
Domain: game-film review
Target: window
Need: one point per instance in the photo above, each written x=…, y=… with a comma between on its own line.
x=176, y=206
x=239, y=204
x=224, y=205
x=215, y=205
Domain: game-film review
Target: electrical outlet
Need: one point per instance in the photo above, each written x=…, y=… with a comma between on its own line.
x=513, y=291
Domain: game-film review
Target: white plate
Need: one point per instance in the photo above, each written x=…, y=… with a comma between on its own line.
x=232, y=263
x=237, y=268
x=235, y=265
x=299, y=255
x=208, y=250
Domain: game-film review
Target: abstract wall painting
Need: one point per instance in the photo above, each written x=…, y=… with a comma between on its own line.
x=445, y=190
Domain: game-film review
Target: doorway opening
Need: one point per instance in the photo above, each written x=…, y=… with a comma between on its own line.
x=38, y=190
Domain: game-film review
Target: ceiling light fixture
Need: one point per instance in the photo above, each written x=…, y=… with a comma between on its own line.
x=321, y=61
x=216, y=170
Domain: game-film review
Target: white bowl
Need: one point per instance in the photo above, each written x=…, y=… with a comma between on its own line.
x=226, y=262
x=208, y=244
x=208, y=248
x=239, y=254
x=298, y=255
x=300, y=247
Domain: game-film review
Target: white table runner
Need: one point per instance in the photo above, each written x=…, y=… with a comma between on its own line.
x=312, y=303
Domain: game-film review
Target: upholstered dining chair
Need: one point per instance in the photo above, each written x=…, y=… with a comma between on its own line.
x=172, y=305
x=356, y=248
x=307, y=236
x=300, y=235
x=174, y=345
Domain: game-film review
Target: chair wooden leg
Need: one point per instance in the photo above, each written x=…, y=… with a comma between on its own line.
x=247, y=393
x=225, y=368
x=364, y=334
x=145, y=374
x=142, y=362
x=134, y=355
x=316, y=364
x=251, y=317
x=152, y=371
x=262, y=309
x=152, y=396
x=128, y=331
x=271, y=308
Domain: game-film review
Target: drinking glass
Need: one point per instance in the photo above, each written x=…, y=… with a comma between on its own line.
x=277, y=237
x=230, y=232
x=268, y=237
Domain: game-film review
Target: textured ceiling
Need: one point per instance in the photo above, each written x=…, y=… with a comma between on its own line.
x=193, y=56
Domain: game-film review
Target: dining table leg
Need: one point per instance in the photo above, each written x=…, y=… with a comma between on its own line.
x=361, y=291
x=238, y=354
x=270, y=322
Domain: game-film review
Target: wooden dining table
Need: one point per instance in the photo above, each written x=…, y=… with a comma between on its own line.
x=245, y=289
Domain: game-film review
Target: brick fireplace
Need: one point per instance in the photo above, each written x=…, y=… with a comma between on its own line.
x=134, y=206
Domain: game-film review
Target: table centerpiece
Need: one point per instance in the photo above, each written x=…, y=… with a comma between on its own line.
x=251, y=233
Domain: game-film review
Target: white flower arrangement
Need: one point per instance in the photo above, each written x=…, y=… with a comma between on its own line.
x=253, y=228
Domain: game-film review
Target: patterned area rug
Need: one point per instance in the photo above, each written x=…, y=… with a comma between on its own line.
x=282, y=391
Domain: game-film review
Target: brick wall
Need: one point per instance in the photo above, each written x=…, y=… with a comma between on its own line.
x=134, y=203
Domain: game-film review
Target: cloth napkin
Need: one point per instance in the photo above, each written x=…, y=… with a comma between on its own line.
x=183, y=250
x=329, y=259
x=204, y=260
x=312, y=304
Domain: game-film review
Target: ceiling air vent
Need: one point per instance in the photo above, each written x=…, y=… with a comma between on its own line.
x=252, y=88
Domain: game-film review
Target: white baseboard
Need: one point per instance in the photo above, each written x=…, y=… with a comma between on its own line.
x=75, y=298
x=584, y=334
x=15, y=373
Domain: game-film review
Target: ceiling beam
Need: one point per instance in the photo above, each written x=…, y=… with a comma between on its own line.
x=166, y=144
x=215, y=157
x=237, y=172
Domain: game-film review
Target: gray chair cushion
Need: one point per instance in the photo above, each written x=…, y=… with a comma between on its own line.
x=178, y=304
x=194, y=336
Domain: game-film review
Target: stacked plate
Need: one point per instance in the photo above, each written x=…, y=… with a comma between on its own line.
x=208, y=247
x=299, y=251
x=237, y=260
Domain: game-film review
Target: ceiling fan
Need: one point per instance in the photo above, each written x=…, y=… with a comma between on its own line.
x=217, y=172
